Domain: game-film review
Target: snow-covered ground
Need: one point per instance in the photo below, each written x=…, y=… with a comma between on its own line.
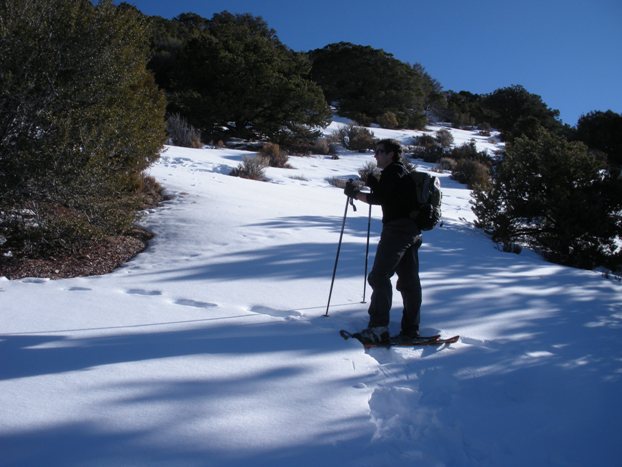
x=211, y=348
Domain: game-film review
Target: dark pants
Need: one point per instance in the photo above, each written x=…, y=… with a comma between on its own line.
x=397, y=253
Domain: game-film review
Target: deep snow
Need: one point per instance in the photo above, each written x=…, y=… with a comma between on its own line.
x=211, y=348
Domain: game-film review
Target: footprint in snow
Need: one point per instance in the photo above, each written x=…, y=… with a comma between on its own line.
x=286, y=314
x=143, y=292
x=193, y=303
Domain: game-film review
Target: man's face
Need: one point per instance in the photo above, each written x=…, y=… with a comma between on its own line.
x=383, y=158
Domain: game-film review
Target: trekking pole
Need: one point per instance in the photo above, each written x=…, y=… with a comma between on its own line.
x=366, y=254
x=343, y=224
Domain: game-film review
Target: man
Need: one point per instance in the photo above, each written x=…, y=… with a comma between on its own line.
x=397, y=251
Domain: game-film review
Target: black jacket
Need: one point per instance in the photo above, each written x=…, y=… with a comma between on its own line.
x=393, y=192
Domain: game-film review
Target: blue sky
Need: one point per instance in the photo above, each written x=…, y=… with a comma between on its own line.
x=566, y=51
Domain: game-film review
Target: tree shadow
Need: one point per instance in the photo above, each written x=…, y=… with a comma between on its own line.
x=288, y=261
x=29, y=355
x=184, y=413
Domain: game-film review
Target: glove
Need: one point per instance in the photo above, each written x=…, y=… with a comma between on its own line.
x=351, y=191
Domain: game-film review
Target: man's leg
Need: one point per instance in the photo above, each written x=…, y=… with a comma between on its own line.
x=395, y=241
x=409, y=285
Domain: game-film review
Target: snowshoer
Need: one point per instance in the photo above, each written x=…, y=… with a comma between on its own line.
x=398, y=249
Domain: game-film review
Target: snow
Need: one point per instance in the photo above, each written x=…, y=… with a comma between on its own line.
x=211, y=348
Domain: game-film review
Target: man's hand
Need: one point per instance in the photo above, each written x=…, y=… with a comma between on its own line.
x=351, y=191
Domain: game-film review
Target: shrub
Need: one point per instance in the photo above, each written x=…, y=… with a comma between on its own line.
x=553, y=195
x=444, y=138
x=447, y=163
x=388, y=120
x=151, y=192
x=357, y=138
x=361, y=118
x=469, y=151
x=433, y=154
x=181, y=133
x=426, y=147
x=80, y=121
x=274, y=156
x=425, y=141
x=252, y=168
x=321, y=146
x=471, y=173
x=368, y=170
x=485, y=129
x=297, y=138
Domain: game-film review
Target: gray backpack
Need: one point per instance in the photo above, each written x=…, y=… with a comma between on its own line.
x=428, y=198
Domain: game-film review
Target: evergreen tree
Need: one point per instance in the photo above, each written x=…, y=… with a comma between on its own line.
x=463, y=109
x=434, y=100
x=233, y=77
x=554, y=196
x=603, y=131
x=365, y=83
x=513, y=109
x=80, y=119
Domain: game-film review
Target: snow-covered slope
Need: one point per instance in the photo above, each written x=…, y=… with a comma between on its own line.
x=211, y=347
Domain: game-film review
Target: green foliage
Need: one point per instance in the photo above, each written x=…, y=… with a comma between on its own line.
x=434, y=100
x=512, y=110
x=80, y=119
x=447, y=163
x=298, y=138
x=356, y=138
x=427, y=147
x=469, y=151
x=365, y=83
x=425, y=141
x=554, y=196
x=388, y=120
x=433, y=148
x=444, y=138
x=603, y=131
x=463, y=109
x=516, y=112
x=231, y=76
x=472, y=173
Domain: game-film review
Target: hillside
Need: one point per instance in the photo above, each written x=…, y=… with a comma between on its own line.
x=210, y=348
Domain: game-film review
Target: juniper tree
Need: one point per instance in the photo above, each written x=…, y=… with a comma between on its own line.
x=80, y=119
x=233, y=77
x=365, y=83
x=554, y=196
x=603, y=131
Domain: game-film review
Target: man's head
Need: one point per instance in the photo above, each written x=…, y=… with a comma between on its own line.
x=387, y=151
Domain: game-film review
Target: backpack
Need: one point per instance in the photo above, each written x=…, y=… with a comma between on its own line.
x=427, y=198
